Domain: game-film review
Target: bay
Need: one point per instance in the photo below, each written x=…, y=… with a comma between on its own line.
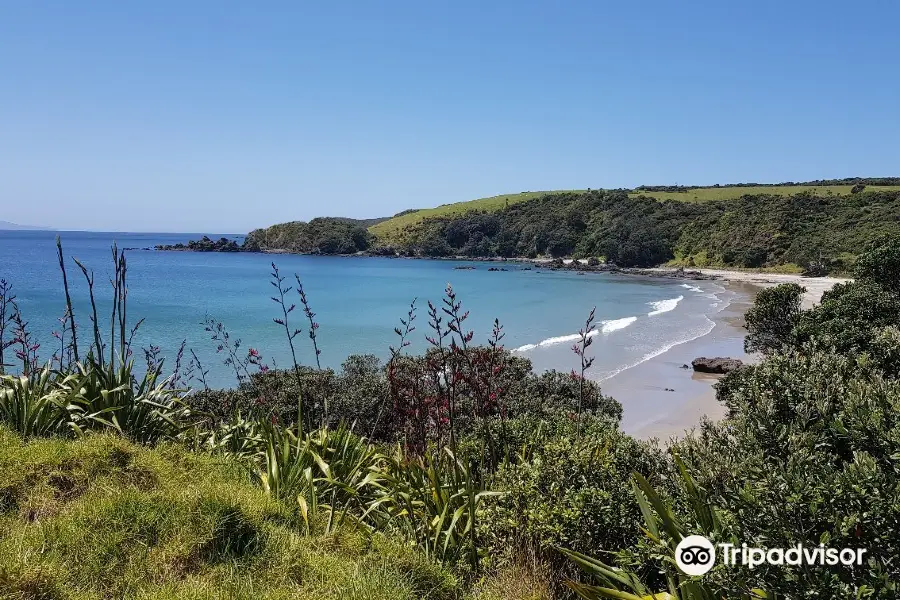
x=358, y=302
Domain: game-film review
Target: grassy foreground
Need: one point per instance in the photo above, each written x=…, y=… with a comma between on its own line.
x=104, y=518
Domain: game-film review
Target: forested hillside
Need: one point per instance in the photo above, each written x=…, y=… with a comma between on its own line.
x=392, y=232
x=816, y=226
x=324, y=235
x=823, y=231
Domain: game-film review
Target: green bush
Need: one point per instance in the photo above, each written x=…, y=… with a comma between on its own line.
x=808, y=454
x=772, y=318
x=849, y=317
x=569, y=490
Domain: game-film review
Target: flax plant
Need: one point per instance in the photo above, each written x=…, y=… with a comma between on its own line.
x=7, y=299
x=70, y=312
x=277, y=282
x=396, y=353
x=585, y=339
x=664, y=530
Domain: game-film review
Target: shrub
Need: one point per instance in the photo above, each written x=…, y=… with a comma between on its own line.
x=569, y=490
x=849, y=317
x=772, y=318
x=808, y=454
x=552, y=393
x=881, y=265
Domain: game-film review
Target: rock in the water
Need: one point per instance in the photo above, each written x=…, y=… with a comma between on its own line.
x=718, y=365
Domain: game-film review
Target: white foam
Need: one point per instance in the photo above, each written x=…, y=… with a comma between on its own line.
x=692, y=288
x=661, y=350
x=617, y=324
x=661, y=306
x=605, y=327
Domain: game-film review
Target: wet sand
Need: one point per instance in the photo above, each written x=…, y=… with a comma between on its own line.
x=652, y=412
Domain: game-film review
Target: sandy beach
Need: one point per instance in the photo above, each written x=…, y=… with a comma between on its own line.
x=662, y=399
x=815, y=286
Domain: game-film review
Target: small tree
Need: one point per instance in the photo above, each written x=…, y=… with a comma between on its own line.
x=881, y=265
x=773, y=316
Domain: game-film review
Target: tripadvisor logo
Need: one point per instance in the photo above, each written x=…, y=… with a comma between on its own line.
x=696, y=555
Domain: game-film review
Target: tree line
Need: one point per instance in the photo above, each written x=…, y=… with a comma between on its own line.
x=817, y=232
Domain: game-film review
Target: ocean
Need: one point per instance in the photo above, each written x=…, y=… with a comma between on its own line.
x=358, y=302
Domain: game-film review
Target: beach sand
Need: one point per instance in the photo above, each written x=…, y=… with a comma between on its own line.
x=660, y=398
x=652, y=412
x=815, y=286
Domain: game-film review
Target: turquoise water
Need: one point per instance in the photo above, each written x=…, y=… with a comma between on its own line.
x=358, y=301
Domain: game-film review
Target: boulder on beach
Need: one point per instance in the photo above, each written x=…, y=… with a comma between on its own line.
x=718, y=365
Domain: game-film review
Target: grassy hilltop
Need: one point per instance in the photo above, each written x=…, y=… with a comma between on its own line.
x=392, y=230
x=815, y=227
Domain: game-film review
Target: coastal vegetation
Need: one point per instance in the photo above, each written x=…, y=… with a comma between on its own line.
x=205, y=244
x=818, y=233
x=391, y=230
x=458, y=473
x=324, y=235
x=814, y=227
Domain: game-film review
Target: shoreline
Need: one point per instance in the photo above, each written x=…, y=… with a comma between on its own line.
x=815, y=286
x=652, y=412
x=661, y=399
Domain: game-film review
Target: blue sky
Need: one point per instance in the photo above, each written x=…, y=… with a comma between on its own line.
x=225, y=116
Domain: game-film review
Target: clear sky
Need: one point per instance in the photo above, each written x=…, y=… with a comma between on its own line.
x=223, y=116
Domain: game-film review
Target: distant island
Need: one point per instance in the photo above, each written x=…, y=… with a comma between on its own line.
x=815, y=227
x=8, y=226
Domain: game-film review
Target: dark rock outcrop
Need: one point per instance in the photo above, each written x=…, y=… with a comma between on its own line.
x=718, y=365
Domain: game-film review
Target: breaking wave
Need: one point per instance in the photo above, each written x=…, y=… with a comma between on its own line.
x=692, y=288
x=691, y=336
x=605, y=327
x=661, y=306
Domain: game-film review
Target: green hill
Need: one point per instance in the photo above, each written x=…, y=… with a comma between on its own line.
x=391, y=230
x=394, y=231
x=708, y=194
x=792, y=224
x=813, y=231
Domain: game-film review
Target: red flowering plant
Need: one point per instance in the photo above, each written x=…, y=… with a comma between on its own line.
x=453, y=388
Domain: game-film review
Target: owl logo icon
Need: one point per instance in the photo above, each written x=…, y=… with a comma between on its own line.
x=695, y=555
